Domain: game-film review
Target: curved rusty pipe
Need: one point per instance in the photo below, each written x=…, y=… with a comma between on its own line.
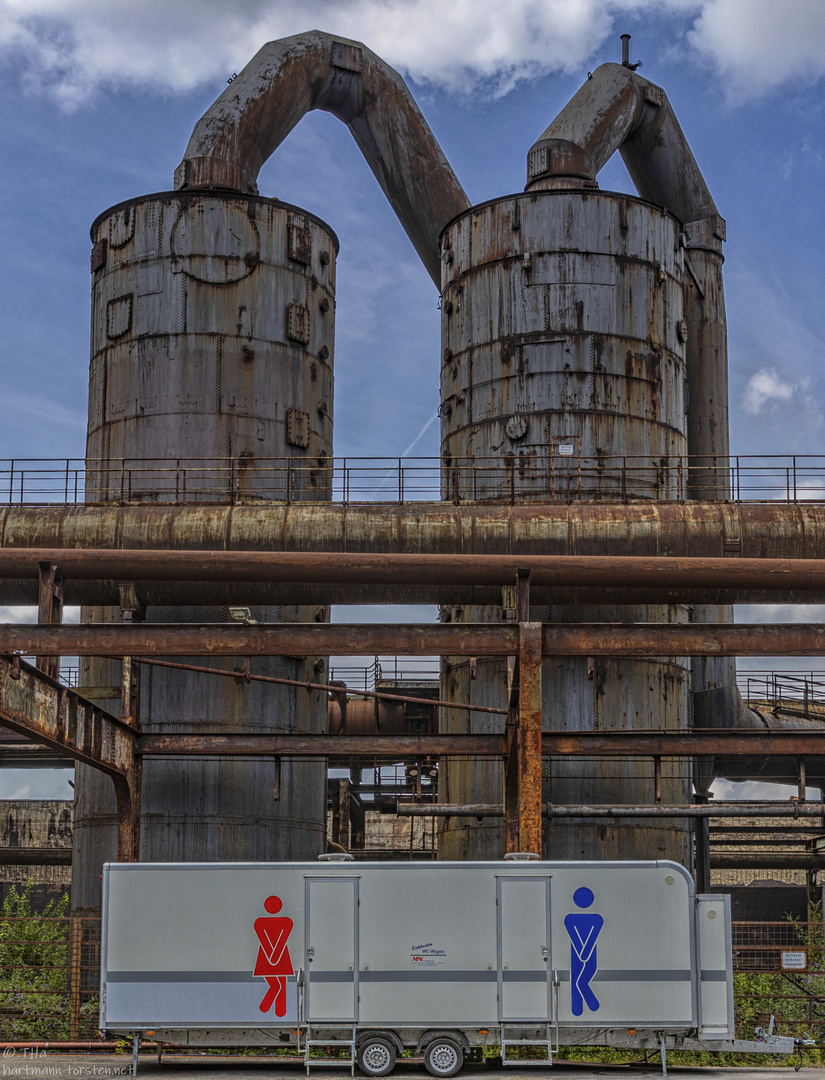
x=617, y=109
x=287, y=79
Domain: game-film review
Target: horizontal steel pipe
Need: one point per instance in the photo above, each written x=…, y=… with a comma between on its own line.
x=712, y=530
x=744, y=810
x=553, y=744
x=413, y=568
x=363, y=639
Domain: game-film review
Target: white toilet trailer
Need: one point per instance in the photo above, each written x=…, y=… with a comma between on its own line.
x=433, y=957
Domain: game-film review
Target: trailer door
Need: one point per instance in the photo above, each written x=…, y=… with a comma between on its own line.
x=524, y=958
x=331, y=962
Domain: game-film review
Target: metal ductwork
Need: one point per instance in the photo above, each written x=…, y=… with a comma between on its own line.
x=287, y=79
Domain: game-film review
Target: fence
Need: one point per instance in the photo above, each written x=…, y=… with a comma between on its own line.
x=534, y=476
x=49, y=976
x=50, y=971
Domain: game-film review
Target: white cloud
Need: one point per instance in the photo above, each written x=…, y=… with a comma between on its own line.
x=763, y=388
x=759, y=45
x=69, y=50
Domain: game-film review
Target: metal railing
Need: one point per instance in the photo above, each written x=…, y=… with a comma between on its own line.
x=388, y=671
x=534, y=476
x=798, y=692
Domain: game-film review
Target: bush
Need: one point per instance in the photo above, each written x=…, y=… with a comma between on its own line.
x=34, y=955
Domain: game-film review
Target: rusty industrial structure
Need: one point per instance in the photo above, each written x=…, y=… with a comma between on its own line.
x=585, y=535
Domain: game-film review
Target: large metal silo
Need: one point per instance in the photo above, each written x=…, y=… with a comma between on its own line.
x=563, y=377
x=211, y=381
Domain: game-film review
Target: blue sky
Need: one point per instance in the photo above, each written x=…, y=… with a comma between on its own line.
x=99, y=98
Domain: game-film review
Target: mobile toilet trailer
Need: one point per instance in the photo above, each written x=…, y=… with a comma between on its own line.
x=437, y=957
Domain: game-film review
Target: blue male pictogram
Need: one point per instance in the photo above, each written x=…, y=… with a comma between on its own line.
x=583, y=929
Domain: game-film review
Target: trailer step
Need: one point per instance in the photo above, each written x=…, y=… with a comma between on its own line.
x=349, y=1043
x=547, y=1042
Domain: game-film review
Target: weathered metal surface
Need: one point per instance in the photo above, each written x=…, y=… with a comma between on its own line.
x=338, y=688
x=38, y=707
x=748, y=580
x=807, y=742
x=394, y=747
x=35, y=705
x=752, y=860
x=559, y=332
x=607, y=639
x=747, y=810
x=212, y=325
x=209, y=283
x=528, y=738
x=38, y=856
x=288, y=78
x=275, y=639
x=617, y=109
x=561, y=318
x=706, y=529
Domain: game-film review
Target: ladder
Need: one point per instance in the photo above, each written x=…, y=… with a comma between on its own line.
x=546, y=1042
x=350, y=1043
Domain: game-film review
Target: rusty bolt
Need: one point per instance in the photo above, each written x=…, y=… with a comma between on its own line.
x=324, y=304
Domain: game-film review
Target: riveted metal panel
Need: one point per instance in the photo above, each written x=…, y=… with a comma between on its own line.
x=203, y=368
x=563, y=352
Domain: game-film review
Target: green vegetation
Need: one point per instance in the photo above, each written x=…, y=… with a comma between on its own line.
x=34, y=948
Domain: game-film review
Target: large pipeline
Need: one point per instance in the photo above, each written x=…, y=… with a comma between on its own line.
x=715, y=531
x=301, y=578
x=288, y=78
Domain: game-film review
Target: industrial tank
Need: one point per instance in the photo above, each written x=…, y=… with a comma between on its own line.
x=563, y=377
x=211, y=381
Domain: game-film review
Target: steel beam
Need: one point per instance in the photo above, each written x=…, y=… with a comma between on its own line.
x=474, y=639
x=394, y=747
x=744, y=810
x=764, y=860
x=731, y=743
x=46, y=712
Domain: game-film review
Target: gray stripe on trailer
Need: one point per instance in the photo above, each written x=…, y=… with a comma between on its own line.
x=180, y=977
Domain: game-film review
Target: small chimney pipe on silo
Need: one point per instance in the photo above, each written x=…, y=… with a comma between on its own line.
x=625, y=50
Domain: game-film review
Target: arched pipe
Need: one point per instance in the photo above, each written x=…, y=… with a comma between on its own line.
x=287, y=79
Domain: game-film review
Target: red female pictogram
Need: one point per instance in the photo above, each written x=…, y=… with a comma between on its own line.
x=273, y=962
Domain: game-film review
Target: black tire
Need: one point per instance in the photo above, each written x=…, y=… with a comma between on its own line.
x=376, y=1057
x=443, y=1057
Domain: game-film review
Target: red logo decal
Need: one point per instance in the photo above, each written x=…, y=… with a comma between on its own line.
x=273, y=962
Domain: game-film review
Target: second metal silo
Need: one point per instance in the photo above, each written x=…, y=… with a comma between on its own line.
x=563, y=377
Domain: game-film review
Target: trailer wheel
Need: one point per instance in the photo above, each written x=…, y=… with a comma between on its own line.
x=376, y=1057
x=443, y=1057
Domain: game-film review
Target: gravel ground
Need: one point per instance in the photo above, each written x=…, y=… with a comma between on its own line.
x=28, y=1066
